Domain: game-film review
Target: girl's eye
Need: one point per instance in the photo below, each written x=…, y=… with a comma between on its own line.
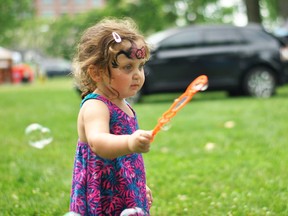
x=128, y=67
x=141, y=67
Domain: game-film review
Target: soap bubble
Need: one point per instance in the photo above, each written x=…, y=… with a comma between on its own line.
x=38, y=136
x=136, y=211
x=72, y=214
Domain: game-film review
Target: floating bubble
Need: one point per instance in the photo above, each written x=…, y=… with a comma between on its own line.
x=71, y=214
x=38, y=136
x=136, y=211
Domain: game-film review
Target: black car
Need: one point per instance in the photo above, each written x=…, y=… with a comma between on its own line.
x=240, y=60
x=52, y=67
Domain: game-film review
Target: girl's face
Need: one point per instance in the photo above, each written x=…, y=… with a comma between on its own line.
x=127, y=78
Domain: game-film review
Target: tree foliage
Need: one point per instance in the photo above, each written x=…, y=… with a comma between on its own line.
x=13, y=14
x=278, y=9
x=58, y=37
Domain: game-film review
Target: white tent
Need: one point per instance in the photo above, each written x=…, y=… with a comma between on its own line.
x=5, y=53
x=5, y=58
x=5, y=65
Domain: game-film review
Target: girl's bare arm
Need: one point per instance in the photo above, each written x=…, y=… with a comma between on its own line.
x=94, y=118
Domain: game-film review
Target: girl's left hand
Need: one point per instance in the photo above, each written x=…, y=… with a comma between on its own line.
x=149, y=196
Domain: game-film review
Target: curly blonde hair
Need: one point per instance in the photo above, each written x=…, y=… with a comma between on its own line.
x=98, y=47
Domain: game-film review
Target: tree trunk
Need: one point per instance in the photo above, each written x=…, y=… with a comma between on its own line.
x=253, y=11
x=283, y=9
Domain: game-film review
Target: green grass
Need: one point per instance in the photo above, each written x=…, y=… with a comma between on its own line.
x=245, y=173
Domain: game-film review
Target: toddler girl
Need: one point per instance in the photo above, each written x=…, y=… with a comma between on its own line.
x=109, y=174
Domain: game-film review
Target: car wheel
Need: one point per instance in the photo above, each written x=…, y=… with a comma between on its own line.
x=259, y=82
x=136, y=98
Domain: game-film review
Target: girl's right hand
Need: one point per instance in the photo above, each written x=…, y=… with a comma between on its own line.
x=139, y=141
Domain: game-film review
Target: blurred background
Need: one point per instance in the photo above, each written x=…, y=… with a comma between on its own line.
x=223, y=156
x=38, y=37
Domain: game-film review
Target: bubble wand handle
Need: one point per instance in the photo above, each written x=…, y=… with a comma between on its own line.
x=199, y=84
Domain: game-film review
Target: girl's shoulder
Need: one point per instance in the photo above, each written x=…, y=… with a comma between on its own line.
x=113, y=108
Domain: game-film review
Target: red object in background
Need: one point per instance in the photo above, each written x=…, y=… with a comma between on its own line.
x=22, y=74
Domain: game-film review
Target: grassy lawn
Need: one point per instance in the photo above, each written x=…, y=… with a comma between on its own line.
x=199, y=167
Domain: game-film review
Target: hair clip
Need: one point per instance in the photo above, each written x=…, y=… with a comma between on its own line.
x=116, y=37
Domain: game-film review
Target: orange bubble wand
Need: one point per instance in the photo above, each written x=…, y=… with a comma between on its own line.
x=199, y=84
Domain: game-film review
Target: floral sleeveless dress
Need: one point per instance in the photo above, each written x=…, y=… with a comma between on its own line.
x=103, y=186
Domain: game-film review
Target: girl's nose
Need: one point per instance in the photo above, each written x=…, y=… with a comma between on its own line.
x=137, y=74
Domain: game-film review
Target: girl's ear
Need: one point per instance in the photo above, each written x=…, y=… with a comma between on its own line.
x=94, y=73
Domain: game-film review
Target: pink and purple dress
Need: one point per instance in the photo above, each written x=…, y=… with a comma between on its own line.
x=106, y=187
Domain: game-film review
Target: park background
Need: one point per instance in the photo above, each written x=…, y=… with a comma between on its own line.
x=222, y=155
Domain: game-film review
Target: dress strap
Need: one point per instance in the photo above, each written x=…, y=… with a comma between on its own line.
x=88, y=97
x=94, y=96
x=111, y=106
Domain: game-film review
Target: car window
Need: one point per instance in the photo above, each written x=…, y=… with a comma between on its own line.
x=216, y=37
x=183, y=39
x=257, y=36
x=156, y=38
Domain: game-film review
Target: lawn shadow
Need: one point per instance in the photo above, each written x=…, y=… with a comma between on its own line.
x=281, y=92
x=170, y=97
